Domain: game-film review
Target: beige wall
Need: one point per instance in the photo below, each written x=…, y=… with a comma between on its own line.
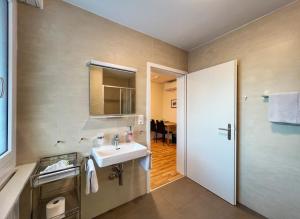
x=161, y=103
x=168, y=112
x=55, y=45
x=157, y=101
x=269, y=154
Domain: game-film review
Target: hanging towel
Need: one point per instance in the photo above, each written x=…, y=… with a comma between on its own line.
x=91, y=178
x=298, y=109
x=145, y=162
x=284, y=108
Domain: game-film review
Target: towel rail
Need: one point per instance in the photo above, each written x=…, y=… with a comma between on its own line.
x=268, y=95
x=265, y=96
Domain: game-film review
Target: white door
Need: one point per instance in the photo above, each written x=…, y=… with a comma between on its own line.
x=211, y=125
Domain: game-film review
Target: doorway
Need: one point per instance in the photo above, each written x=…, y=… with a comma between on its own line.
x=165, y=124
x=206, y=126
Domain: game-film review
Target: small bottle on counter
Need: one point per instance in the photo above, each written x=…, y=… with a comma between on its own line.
x=129, y=136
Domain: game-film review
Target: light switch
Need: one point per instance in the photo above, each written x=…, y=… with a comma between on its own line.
x=140, y=120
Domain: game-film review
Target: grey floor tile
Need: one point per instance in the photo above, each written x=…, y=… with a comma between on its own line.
x=182, y=199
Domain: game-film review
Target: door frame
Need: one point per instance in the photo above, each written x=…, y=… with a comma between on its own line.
x=148, y=110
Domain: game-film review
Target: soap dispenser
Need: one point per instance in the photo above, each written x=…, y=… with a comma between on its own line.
x=129, y=136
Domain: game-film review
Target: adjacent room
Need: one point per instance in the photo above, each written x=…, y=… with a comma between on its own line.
x=149, y=109
x=163, y=127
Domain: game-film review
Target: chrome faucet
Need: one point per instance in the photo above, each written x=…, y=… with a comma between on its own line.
x=115, y=141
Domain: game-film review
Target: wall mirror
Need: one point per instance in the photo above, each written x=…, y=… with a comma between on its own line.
x=112, y=90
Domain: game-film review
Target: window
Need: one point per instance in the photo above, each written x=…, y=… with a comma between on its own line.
x=7, y=89
x=4, y=30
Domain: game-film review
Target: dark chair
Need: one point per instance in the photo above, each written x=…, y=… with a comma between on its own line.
x=174, y=138
x=157, y=122
x=154, y=129
x=161, y=129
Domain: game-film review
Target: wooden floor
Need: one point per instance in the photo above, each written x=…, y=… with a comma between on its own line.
x=163, y=164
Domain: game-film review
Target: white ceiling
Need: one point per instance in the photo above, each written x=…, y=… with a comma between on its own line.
x=182, y=23
x=161, y=78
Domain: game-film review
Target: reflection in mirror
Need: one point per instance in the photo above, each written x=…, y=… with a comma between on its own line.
x=112, y=91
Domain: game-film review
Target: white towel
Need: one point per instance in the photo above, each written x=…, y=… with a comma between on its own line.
x=62, y=164
x=284, y=108
x=91, y=178
x=298, y=109
x=145, y=162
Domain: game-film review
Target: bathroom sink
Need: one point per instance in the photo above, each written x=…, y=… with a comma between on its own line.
x=108, y=154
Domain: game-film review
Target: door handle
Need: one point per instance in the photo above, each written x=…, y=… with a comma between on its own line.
x=2, y=92
x=228, y=131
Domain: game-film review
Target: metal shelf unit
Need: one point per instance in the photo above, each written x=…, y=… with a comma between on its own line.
x=64, y=182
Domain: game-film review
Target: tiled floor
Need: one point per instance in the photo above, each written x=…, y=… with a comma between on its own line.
x=163, y=164
x=182, y=199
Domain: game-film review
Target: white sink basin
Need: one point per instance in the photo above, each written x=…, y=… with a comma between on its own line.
x=108, y=154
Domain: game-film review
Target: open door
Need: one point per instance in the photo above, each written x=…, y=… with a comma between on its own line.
x=211, y=129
